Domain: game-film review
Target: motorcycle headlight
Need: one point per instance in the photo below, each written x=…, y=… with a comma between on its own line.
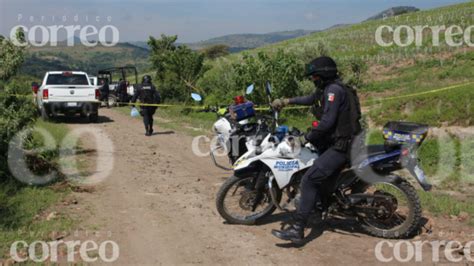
x=287, y=147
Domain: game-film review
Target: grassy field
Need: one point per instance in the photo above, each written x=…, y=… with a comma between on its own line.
x=358, y=40
x=25, y=208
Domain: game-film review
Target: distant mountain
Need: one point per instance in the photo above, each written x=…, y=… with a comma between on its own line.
x=141, y=44
x=245, y=41
x=78, y=57
x=394, y=11
x=240, y=42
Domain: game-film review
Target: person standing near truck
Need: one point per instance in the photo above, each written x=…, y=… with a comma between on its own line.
x=147, y=94
x=122, y=91
x=104, y=91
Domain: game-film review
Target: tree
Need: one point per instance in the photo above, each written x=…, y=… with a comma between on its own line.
x=282, y=70
x=178, y=68
x=160, y=50
x=215, y=51
x=11, y=55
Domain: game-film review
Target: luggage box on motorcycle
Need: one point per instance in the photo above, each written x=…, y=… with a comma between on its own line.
x=405, y=132
x=242, y=111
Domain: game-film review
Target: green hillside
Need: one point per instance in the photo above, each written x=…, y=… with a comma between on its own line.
x=394, y=11
x=392, y=71
x=79, y=57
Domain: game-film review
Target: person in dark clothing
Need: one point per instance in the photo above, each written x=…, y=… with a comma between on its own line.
x=147, y=94
x=332, y=136
x=122, y=91
x=104, y=91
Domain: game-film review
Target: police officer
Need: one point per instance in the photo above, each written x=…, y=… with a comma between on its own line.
x=105, y=91
x=332, y=136
x=122, y=91
x=147, y=94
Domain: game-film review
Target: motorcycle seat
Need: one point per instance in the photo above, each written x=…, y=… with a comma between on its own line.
x=373, y=150
x=369, y=151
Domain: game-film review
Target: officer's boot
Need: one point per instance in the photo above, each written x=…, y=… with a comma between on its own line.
x=151, y=129
x=294, y=233
x=147, y=130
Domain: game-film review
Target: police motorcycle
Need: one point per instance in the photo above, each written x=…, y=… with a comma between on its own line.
x=384, y=204
x=235, y=132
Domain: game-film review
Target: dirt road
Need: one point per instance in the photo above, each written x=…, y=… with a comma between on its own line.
x=158, y=204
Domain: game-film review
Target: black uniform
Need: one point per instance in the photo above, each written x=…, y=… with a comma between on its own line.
x=104, y=92
x=122, y=91
x=330, y=137
x=147, y=94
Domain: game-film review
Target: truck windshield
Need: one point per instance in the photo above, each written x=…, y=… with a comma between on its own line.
x=70, y=79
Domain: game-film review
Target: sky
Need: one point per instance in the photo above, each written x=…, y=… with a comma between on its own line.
x=194, y=20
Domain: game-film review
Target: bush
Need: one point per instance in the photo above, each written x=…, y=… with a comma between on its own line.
x=282, y=70
x=219, y=84
x=16, y=112
x=11, y=56
x=178, y=68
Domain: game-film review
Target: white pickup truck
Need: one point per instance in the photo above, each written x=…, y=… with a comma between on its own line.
x=69, y=93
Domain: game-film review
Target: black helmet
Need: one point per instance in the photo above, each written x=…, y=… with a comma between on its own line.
x=323, y=66
x=146, y=79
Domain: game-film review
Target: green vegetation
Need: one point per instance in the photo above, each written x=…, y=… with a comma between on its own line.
x=215, y=51
x=177, y=68
x=23, y=212
x=394, y=11
x=440, y=203
x=22, y=207
x=448, y=108
x=11, y=56
x=378, y=72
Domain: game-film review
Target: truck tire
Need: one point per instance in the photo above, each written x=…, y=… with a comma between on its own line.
x=113, y=101
x=44, y=114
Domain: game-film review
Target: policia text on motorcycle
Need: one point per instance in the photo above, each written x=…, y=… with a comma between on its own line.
x=147, y=94
x=338, y=110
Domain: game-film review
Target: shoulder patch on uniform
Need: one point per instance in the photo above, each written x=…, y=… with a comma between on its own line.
x=331, y=97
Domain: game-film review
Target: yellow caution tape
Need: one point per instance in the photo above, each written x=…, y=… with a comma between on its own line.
x=368, y=102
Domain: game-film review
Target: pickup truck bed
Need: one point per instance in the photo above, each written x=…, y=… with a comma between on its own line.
x=70, y=93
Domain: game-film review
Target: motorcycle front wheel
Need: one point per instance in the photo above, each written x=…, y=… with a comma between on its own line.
x=236, y=201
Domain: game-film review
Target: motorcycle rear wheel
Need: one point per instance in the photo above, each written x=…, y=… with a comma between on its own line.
x=407, y=223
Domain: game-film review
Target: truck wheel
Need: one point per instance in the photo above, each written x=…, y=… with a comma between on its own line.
x=93, y=118
x=113, y=101
x=44, y=115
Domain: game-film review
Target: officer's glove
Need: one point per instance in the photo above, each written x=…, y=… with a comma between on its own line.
x=278, y=104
